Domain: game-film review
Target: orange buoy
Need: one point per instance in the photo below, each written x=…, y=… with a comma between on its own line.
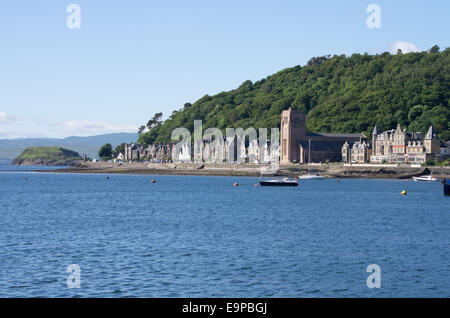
x=235, y=184
x=256, y=184
x=25, y=178
x=153, y=181
x=338, y=180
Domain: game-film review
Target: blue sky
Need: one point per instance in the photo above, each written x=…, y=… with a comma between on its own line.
x=131, y=59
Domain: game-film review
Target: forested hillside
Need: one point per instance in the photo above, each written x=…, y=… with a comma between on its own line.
x=338, y=94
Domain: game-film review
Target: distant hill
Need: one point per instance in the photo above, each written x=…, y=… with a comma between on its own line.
x=11, y=148
x=338, y=93
x=46, y=156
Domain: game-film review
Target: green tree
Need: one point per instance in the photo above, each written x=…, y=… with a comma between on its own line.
x=155, y=121
x=435, y=49
x=416, y=112
x=119, y=149
x=148, y=138
x=105, y=152
x=337, y=93
x=141, y=130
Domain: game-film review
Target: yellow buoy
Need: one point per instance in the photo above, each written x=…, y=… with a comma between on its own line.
x=403, y=192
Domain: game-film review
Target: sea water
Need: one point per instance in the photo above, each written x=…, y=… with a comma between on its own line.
x=198, y=236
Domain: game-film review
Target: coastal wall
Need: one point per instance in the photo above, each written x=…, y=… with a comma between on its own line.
x=367, y=171
x=226, y=169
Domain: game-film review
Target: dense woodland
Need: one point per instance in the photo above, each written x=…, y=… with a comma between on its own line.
x=338, y=94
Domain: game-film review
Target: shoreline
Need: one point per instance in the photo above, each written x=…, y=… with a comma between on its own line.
x=253, y=170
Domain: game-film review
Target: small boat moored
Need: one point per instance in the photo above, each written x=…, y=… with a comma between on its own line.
x=312, y=177
x=285, y=182
x=426, y=178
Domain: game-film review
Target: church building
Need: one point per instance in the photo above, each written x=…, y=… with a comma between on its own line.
x=299, y=146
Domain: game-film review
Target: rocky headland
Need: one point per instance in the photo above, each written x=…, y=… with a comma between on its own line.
x=47, y=156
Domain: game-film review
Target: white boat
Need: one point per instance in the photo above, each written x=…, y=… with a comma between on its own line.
x=309, y=176
x=425, y=178
x=312, y=177
x=285, y=182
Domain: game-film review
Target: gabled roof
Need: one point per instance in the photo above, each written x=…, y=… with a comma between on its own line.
x=431, y=134
x=363, y=144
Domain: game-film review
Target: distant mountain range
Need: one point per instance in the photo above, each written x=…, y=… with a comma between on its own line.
x=11, y=148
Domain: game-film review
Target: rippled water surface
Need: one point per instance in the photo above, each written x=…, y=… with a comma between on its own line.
x=200, y=236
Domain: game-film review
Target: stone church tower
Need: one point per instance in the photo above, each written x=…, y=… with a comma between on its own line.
x=293, y=130
x=374, y=140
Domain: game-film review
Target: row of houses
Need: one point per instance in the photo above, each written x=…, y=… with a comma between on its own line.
x=396, y=146
x=299, y=146
x=159, y=152
x=229, y=150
